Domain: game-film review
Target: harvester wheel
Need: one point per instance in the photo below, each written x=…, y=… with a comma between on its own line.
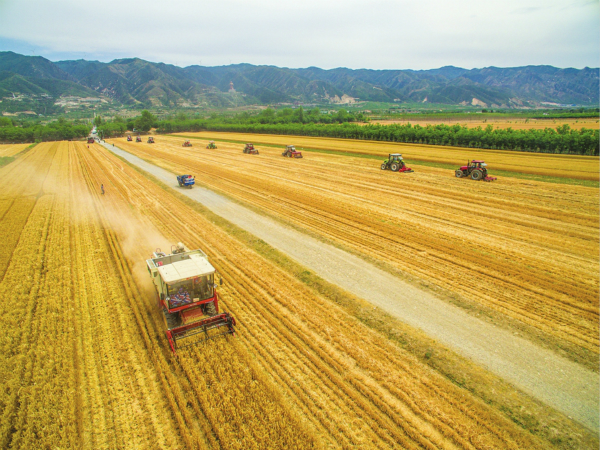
x=210, y=309
x=476, y=175
x=395, y=167
x=383, y=166
x=458, y=173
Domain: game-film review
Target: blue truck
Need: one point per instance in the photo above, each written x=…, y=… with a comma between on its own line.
x=186, y=180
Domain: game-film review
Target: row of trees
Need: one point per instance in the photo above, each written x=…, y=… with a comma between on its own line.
x=118, y=126
x=60, y=130
x=560, y=140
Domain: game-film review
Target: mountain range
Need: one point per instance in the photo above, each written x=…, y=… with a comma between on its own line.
x=136, y=82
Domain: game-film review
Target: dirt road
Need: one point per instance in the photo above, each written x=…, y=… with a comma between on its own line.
x=560, y=383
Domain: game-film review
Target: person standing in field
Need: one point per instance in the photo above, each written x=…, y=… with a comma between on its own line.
x=102, y=188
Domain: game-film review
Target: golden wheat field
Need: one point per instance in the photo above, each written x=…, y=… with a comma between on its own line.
x=514, y=123
x=12, y=149
x=83, y=358
x=568, y=166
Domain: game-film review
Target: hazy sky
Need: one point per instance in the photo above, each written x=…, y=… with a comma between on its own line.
x=374, y=34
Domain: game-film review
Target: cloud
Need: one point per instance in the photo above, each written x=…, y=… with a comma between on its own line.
x=381, y=34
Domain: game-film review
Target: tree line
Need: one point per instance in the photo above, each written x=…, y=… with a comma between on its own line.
x=59, y=130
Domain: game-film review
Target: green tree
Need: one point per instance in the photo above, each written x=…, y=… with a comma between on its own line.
x=145, y=122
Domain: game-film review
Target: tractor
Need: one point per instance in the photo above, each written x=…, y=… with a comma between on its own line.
x=475, y=169
x=187, y=144
x=249, y=148
x=187, y=296
x=186, y=180
x=150, y=139
x=211, y=144
x=90, y=140
x=291, y=152
x=129, y=138
x=395, y=163
x=138, y=139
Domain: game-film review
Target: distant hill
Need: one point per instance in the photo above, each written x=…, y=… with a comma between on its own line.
x=134, y=81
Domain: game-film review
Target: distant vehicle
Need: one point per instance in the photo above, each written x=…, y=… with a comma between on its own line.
x=395, y=163
x=138, y=139
x=211, y=144
x=187, y=143
x=91, y=140
x=186, y=180
x=291, y=152
x=150, y=140
x=249, y=148
x=129, y=139
x=476, y=169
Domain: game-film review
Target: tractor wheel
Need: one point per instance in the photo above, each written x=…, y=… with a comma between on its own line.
x=458, y=173
x=395, y=167
x=383, y=166
x=476, y=175
x=210, y=309
x=257, y=152
x=180, y=184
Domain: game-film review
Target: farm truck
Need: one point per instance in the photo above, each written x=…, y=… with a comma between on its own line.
x=249, y=148
x=187, y=296
x=186, y=180
x=291, y=152
x=395, y=163
x=211, y=144
x=476, y=169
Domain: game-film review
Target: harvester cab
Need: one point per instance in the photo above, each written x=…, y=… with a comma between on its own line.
x=249, y=148
x=150, y=139
x=129, y=139
x=475, y=169
x=186, y=180
x=187, y=144
x=291, y=152
x=395, y=163
x=138, y=139
x=187, y=295
x=211, y=144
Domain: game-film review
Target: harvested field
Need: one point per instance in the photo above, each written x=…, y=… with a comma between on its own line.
x=527, y=250
x=85, y=363
x=566, y=166
x=12, y=149
x=515, y=123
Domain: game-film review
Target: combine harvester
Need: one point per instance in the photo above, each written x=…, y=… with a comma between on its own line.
x=291, y=152
x=90, y=140
x=395, y=163
x=186, y=180
x=249, y=148
x=476, y=169
x=138, y=139
x=187, y=295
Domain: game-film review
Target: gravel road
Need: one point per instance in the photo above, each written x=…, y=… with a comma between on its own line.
x=556, y=381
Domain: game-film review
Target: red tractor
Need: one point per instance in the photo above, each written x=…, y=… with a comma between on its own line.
x=138, y=139
x=129, y=139
x=249, y=148
x=395, y=163
x=476, y=169
x=291, y=152
x=90, y=140
x=150, y=140
x=187, y=144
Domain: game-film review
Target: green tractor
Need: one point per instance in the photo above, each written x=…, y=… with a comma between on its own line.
x=211, y=144
x=395, y=163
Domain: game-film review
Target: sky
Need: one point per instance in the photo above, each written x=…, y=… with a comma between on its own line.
x=371, y=34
